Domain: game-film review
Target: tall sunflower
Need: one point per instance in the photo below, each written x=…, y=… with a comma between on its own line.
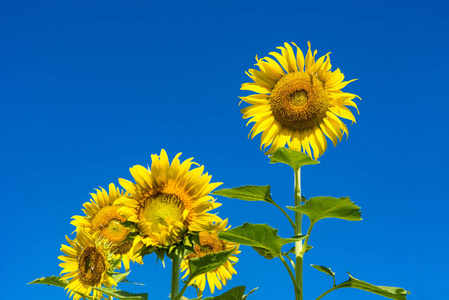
x=298, y=101
x=86, y=264
x=101, y=217
x=167, y=201
x=210, y=243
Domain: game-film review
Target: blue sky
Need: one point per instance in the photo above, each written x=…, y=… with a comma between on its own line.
x=89, y=89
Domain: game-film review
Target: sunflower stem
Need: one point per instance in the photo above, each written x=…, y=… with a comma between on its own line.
x=306, y=241
x=327, y=292
x=285, y=214
x=199, y=294
x=292, y=276
x=179, y=296
x=298, y=229
x=176, y=266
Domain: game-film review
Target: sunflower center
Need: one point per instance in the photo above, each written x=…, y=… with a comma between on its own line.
x=299, y=98
x=299, y=101
x=210, y=243
x=91, y=266
x=162, y=209
x=109, y=223
x=122, y=248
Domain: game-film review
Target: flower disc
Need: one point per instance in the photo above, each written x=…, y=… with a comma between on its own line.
x=167, y=201
x=122, y=248
x=91, y=266
x=162, y=209
x=298, y=101
x=86, y=264
x=108, y=222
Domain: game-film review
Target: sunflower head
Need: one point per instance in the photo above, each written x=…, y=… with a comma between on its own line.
x=87, y=265
x=102, y=218
x=101, y=215
x=167, y=201
x=298, y=101
x=209, y=244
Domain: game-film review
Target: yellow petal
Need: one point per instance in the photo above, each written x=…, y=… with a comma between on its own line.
x=299, y=58
x=281, y=59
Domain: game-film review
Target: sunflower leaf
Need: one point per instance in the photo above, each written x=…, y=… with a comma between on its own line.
x=386, y=291
x=207, y=263
x=308, y=248
x=236, y=293
x=325, y=270
x=56, y=281
x=250, y=292
x=149, y=250
x=248, y=193
x=293, y=158
x=51, y=280
x=132, y=282
x=119, y=277
x=180, y=250
x=260, y=237
x=317, y=208
x=292, y=250
x=122, y=295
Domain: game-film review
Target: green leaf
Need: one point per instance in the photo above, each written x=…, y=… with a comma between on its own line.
x=325, y=270
x=318, y=208
x=386, y=291
x=293, y=158
x=149, y=250
x=292, y=250
x=132, y=282
x=56, y=281
x=207, y=263
x=250, y=292
x=248, y=193
x=120, y=276
x=52, y=280
x=122, y=295
x=236, y=293
x=261, y=237
x=308, y=248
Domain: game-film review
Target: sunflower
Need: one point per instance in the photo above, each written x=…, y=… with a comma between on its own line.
x=101, y=217
x=210, y=243
x=298, y=101
x=167, y=201
x=86, y=264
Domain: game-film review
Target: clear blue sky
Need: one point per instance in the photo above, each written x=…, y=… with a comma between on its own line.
x=91, y=88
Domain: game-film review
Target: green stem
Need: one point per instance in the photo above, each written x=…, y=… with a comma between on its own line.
x=292, y=276
x=199, y=294
x=290, y=259
x=178, y=297
x=175, y=277
x=309, y=231
x=298, y=244
x=327, y=292
x=285, y=214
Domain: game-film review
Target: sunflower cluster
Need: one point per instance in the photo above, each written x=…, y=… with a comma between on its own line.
x=298, y=101
x=167, y=204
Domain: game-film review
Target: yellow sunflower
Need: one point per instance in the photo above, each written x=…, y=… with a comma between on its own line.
x=210, y=243
x=86, y=264
x=167, y=201
x=102, y=218
x=298, y=101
